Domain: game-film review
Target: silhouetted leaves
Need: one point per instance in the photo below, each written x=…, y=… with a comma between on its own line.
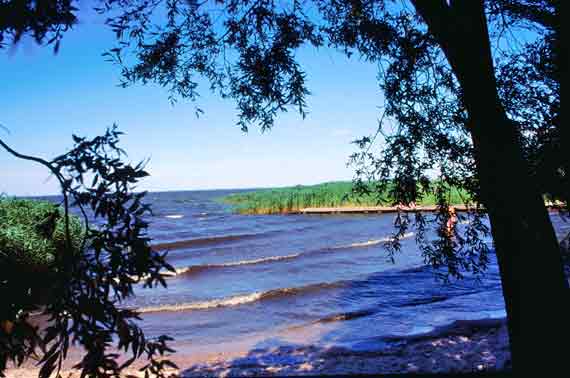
x=246, y=50
x=45, y=21
x=87, y=288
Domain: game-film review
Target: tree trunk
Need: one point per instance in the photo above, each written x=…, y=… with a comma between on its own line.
x=527, y=250
x=561, y=75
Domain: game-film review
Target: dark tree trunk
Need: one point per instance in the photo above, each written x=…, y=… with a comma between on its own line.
x=527, y=249
x=561, y=73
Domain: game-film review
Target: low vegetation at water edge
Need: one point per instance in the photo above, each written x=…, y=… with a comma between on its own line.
x=32, y=233
x=330, y=194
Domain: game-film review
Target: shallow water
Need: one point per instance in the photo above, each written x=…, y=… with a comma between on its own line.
x=284, y=276
x=319, y=279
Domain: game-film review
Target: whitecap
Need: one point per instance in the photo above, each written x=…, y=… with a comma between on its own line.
x=174, y=216
x=373, y=242
x=223, y=302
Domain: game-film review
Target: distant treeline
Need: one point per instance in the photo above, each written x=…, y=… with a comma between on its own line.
x=330, y=194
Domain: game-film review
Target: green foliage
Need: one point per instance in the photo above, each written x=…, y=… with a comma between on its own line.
x=247, y=51
x=330, y=194
x=32, y=233
x=80, y=293
x=270, y=201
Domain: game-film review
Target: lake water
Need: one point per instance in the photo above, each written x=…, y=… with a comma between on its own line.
x=282, y=280
x=318, y=279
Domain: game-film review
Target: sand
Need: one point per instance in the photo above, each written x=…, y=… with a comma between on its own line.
x=465, y=346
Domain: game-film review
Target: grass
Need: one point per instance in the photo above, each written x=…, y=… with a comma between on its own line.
x=330, y=194
x=32, y=233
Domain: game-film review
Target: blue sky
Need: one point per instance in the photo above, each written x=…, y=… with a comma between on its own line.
x=46, y=97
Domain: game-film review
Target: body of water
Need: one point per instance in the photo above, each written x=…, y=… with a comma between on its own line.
x=318, y=279
x=281, y=280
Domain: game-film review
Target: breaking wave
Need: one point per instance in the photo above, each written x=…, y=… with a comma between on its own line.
x=239, y=299
x=174, y=216
x=200, y=268
x=373, y=242
x=264, y=260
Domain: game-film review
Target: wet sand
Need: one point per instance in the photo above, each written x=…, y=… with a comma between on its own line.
x=465, y=346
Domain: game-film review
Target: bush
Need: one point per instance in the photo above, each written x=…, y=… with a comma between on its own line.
x=32, y=233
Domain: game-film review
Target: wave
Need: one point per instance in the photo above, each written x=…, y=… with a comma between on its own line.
x=174, y=216
x=455, y=327
x=180, y=244
x=199, y=268
x=239, y=299
x=373, y=242
x=263, y=260
x=187, y=243
x=203, y=215
x=369, y=243
x=424, y=301
x=224, y=302
x=346, y=316
x=279, y=293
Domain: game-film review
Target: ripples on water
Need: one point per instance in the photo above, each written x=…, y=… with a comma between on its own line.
x=241, y=275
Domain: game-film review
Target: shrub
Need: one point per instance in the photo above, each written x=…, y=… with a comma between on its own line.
x=32, y=233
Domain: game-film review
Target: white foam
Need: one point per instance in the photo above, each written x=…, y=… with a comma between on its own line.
x=237, y=263
x=223, y=302
x=261, y=260
x=174, y=216
x=377, y=241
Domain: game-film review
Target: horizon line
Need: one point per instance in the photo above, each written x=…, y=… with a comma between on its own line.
x=188, y=190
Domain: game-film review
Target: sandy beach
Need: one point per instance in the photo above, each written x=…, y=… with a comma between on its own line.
x=465, y=346
x=307, y=295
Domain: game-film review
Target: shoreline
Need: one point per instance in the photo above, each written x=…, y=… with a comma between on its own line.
x=369, y=210
x=461, y=347
x=373, y=209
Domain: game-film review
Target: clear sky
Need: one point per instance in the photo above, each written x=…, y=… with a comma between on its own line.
x=44, y=98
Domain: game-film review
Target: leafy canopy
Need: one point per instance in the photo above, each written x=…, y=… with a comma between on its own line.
x=245, y=50
x=45, y=21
